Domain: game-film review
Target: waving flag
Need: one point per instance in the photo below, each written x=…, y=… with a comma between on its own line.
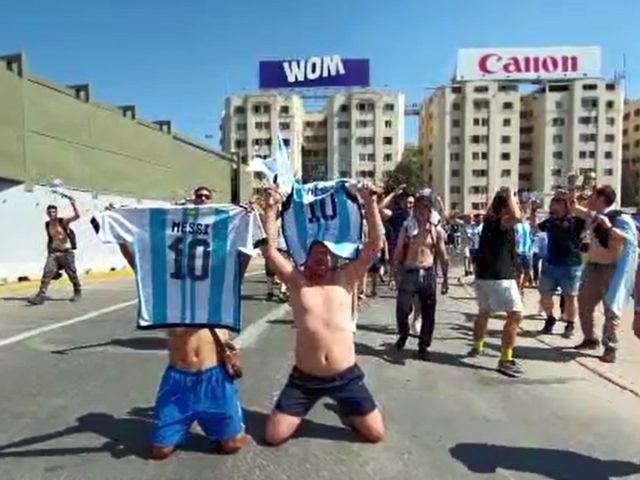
x=277, y=169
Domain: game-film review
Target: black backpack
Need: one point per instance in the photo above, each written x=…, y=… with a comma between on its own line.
x=69, y=231
x=601, y=233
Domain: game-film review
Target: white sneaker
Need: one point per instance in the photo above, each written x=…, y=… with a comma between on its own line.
x=415, y=325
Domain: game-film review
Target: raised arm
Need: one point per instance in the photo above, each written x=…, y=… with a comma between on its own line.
x=389, y=198
x=284, y=269
x=373, y=243
x=513, y=214
x=76, y=213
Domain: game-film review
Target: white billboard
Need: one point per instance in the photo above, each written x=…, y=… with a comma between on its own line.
x=528, y=63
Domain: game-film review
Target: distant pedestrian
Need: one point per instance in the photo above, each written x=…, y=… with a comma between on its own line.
x=61, y=243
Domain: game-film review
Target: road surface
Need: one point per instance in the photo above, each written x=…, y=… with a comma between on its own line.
x=76, y=401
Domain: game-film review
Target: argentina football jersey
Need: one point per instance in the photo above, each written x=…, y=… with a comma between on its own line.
x=322, y=211
x=187, y=261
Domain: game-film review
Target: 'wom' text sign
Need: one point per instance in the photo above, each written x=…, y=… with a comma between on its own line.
x=325, y=71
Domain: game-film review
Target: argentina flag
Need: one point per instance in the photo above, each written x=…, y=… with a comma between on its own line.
x=277, y=169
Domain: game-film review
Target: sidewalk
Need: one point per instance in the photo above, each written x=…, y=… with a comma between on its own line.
x=625, y=373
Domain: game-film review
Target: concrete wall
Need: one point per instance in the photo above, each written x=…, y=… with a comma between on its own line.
x=23, y=246
x=47, y=133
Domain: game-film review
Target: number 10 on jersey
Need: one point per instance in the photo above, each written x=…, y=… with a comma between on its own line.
x=195, y=270
x=325, y=209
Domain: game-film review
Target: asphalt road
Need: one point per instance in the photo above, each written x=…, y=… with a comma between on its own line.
x=75, y=402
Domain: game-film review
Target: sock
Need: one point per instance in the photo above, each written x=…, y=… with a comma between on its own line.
x=479, y=344
x=507, y=354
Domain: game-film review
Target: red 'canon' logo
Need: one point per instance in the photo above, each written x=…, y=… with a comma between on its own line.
x=492, y=63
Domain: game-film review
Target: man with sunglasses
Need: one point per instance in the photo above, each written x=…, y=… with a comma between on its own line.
x=195, y=361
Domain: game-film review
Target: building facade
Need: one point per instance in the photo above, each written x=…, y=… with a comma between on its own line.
x=357, y=133
x=631, y=154
x=478, y=136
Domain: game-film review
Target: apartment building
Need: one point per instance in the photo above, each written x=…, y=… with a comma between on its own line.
x=478, y=136
x=357, y=133
x=469, y=133
x=631, y=154
x=571, y=127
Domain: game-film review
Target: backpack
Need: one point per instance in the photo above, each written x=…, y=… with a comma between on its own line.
x=70, y=233
x=601, y=233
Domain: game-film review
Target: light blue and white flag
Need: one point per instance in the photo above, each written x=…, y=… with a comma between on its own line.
x=622, y=281
x=277, y=169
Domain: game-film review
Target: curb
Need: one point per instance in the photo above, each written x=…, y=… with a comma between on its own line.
x=14, y=287
x=613, y=379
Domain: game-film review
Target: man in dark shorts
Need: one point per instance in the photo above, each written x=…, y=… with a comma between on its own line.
x=321, y=296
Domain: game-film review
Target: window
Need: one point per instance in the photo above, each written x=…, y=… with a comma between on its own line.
x=611, y=121
x=556, y=172
x=636, y=144
x=485, y=122
x=505, y=139
x=589, y=102
x=477, y=189
x=387, y=141
x=454, y=190
x=557, y=155
x=588, y=137
x=387, y=124
x=589, y=86
x=636, y=128
x=524, y=177
x=240, y=143
x=507, y=105
x=364, y=123
x=608, y=155
x=525, y=146
x=455, y=173
x=364, y=140
x=526, y=161
x=478, y=205
x=582, y=155
x=387, y=157
x=455, y=123
x=505, y=173
x=483, y=155
x=475, y=155
x=607, y=172
x=636, y=112
x=479, y=173
x=285, y=126
x=454, y=206
x=456, y=89
x=625, y=117
x=259, y=108
x=343, y=124
x=625, y=147
x=241, y=127
x=609, y=138
x=610, y=104
x=344, y=108
x=586, y=120
x=481, y=89
x=344, y=141
x=505, y=156
x=365, y=106
x=506, y=122
x=611, y=86
x=366, y=157
x=481, y=104
x=261, y=142
x=454, y=157
x=388, y=107
x=308, y=124
x=557, y=122
x=455, y=106
x=624, y=132
x=557, y=139
x=455, y=140
x=262, y=125
x=592, y=154
x=284, y=110
x=476, y=121
x=526, y=130
x=239, y=111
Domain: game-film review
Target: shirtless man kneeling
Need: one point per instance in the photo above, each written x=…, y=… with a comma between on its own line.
x=195, y=385
x=325, y=362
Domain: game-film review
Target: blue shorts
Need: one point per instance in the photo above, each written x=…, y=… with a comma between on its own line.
x=524, y=263
x=567, y=279
x=209, y=397
x=347, y=389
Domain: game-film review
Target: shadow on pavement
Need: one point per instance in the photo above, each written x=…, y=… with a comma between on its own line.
x=27, y=297
x=547, y=354
x=374, y=328
x=546, y=462
x=133, y=343
x=280, y=321
x=256, y=422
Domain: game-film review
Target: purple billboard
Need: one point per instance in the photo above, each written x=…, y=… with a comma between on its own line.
x=326, y=71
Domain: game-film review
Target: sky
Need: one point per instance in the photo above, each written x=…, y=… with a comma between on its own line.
x=179, y=59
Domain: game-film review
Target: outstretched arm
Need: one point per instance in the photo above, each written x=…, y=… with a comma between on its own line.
x=373, y=243
x=76, y=213
x=284, y=269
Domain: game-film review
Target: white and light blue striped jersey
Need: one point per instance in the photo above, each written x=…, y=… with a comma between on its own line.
x=187, y=261
x=326, y=212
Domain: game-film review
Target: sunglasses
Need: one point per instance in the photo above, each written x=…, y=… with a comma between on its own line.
x=203, y=196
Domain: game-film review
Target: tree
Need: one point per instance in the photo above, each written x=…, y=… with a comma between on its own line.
x=407, y=172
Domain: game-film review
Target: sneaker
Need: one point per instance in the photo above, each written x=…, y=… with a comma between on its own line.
x=609, y=355
x=76, y=297
x=588, y=344
x=37, y=300
x=549, y=323
x=422, y=354
x=569, y=329
x=475, y=352
x=401, y=342
x=510, y=368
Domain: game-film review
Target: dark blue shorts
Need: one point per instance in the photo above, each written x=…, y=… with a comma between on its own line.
x=524, y=263
x=347, y=389
x=209, y=397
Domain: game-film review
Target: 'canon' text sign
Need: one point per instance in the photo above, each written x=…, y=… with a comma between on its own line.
x=326, y=71
x=528, y=63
